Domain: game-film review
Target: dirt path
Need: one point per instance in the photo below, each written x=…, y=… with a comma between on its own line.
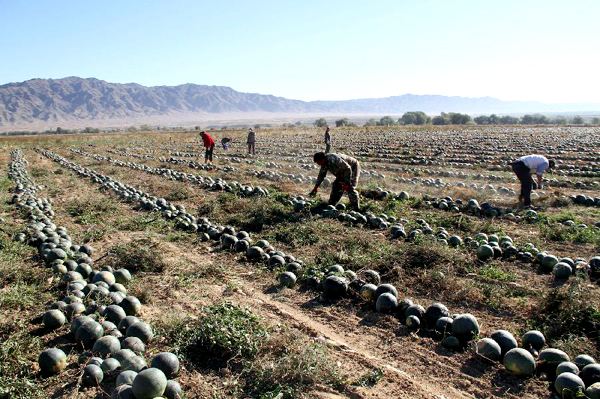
x=416, y=367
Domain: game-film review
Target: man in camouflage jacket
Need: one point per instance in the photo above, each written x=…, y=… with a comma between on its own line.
x=346, y=171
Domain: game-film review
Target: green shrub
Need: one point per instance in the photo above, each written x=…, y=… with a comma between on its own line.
x=139, y=255
x=90, y=211
x=223, y=332
x=255, y=214
x=289, y=366
x=565, y=314
x=295, y=235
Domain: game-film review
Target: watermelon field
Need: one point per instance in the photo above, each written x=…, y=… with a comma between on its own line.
x=131, y=269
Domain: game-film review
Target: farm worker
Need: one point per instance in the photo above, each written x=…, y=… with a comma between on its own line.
x=524, y=168
x=346, y=171
x=225, y=142
x=251, y=140
x=209, y=145
x=327, y=140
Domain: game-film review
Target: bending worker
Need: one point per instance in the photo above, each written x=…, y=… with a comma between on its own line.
x=346, y=171
x=524, y=168
x=225, y=142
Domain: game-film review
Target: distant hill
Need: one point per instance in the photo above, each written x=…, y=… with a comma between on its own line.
x=46, y=102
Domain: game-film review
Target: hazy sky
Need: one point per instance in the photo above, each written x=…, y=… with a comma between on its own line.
x=314, y=50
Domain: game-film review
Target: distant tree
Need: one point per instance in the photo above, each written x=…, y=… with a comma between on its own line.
x=494, y=120
x=536, y=119
x=414, y=118
x=342, y=122
x=298, y=123
x=257, y=126
x=91, y=130
x=442, y=119
x=387, y=121
x=509, y=120
x=422, y=118
x=409, y=118
x=482, y=120
x=578, y=120
x=452, y=118
x=459, y=119
x=196, y=127
x=596, y=121
x=526, y=120
x=559, y=120
x=371, y=122
x=321, y=122
x=145, y=128
x=542, y=119
x=132, y=129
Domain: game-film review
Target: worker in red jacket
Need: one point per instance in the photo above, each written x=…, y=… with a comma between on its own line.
x=209, y=145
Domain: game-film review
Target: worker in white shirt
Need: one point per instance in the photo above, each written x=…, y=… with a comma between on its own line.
x=524, y=168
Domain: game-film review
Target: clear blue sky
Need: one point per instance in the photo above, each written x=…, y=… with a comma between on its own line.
x=314, y=50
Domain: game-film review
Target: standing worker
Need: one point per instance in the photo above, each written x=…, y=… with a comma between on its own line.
x=251, y=140
x=524, y=168
x=209, y=145
x=346, y=171
x=327, y=140
x=225, y=142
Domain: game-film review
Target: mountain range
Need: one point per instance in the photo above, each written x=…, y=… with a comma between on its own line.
x=83, y=101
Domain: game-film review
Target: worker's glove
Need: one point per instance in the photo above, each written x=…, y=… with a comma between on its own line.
x=313, y=192
x=346, y=187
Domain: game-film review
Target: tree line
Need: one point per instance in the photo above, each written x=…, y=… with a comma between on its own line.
x=88, y=129
x=456, y=118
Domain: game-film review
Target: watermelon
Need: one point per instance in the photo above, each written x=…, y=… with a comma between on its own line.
x=550, y=358
x=519, y=361
x=567, y=367
x=386, y=288
x=367, y=291
x=505, y=339
x=533, y=340
x=593, y=391
x=287, y=279
x=465, y=327
x=488, y=348
x=583, y=360
x=52, y=361
x=335, y=287
x=92, y=376
x=567, y=385
x=485, y=252
x=386, y=303
x=149, y=384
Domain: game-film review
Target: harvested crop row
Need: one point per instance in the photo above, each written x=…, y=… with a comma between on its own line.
x=103, y=317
